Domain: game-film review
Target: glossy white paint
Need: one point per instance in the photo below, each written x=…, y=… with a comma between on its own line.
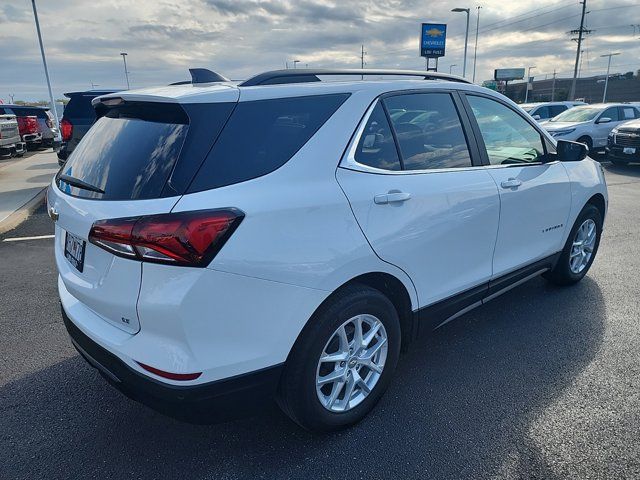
x=442, y=237
x=309, y=227
x=299, y=228
x=593, y=129
x=533, y=215
x=587, y=179
x=108, y=285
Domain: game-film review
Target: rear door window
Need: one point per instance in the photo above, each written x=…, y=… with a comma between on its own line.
x=627, y=113
x=376, y=147
x=432, y=139
x=261, y=136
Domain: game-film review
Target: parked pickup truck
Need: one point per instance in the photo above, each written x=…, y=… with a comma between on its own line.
x=10, y=142
x=28, y=125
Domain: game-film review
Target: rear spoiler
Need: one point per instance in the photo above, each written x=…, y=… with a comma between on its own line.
x=202, y=75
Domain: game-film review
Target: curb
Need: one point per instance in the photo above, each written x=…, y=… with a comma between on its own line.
x=21, y=214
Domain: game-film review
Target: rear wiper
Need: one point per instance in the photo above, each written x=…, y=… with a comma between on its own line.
x=76, y=182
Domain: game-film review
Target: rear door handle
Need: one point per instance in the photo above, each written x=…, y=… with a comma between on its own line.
x=511, y=183
x=391, y=197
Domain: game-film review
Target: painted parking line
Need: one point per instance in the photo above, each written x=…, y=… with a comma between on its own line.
x=20, y=239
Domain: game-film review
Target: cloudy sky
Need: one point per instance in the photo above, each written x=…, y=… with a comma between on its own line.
x=83, y=38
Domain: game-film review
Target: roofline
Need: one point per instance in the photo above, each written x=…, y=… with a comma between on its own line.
x=306, y=75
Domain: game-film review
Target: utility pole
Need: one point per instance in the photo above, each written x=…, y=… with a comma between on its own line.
x=475, y=48
x=126, y=72
x=553, y=86
x=606, y=81
x=362, y=62
x=581, y=32
x=44, y=62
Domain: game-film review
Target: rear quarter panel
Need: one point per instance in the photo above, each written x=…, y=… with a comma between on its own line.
x=299, y=228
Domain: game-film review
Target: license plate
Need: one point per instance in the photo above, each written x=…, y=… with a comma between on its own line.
x=629, y=150
x=74, y=251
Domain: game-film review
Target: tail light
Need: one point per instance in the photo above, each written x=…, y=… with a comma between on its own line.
x=182, y=238
x=28, y=125
x=66, y=128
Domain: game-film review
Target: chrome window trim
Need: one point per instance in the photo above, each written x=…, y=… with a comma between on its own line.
x=349, y=162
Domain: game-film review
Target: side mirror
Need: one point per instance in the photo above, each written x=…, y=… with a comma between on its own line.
x=604, y=120
x=571, y=151
x=536, y=117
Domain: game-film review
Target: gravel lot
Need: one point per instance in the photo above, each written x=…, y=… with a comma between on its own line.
x=543, y=382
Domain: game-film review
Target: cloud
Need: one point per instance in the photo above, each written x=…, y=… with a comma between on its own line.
x=242, y=37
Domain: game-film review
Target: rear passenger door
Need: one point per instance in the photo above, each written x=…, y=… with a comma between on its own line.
x=535, y=195
x=421, y=195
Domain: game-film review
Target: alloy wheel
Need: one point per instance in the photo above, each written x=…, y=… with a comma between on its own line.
x=351, y=363
x=583, y=245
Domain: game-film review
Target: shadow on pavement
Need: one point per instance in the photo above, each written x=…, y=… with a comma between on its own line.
x=632, y=170
x=463, y=401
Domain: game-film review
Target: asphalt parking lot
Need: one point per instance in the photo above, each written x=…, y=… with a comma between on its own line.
x=543, y=382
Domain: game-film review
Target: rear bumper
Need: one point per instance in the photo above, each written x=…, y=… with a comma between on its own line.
x=12, y=149
x=32, y=138
x=218, y=400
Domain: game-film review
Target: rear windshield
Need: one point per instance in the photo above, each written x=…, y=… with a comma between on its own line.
x=263, y=135
x=79, y=106
x=33, y=112
x=128, y=153
x=144, y=150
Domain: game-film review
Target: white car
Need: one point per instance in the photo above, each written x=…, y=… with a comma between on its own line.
x=286, y=237
x=542, y=111
x=591, y=124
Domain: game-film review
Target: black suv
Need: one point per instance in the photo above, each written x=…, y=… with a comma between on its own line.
x=78, y=117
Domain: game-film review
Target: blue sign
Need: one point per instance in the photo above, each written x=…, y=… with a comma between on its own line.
x=432, y=40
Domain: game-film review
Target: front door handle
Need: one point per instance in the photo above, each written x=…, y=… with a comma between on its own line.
x=511, y=183
x=391, y=197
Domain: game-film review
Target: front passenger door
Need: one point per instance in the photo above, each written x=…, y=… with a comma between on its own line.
x=601, y=130
x=535, y=197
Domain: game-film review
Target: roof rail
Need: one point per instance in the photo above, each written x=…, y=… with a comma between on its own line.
x=202, y=75
x=305, y=75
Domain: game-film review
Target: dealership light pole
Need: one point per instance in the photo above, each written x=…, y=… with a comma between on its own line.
x=526, y=94
x=44, y=62
x=606, y=81
x=475, y=48
x=126, y=72
x=295, y=63
x=466, y=39
x=451, y=67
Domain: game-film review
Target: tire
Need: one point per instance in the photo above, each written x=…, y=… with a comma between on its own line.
x=563, y=273
x=298, y=395
x=588, y=142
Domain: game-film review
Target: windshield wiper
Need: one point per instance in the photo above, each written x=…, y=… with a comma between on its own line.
x=76, y=182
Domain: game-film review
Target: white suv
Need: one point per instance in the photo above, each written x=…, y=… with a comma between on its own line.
x=542, y=111
x=591, y=124
x=287, y=236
